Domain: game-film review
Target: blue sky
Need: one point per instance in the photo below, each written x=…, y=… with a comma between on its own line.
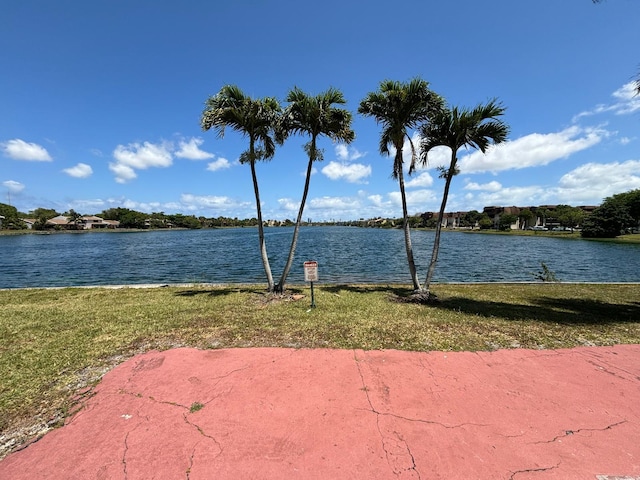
x=100, y=101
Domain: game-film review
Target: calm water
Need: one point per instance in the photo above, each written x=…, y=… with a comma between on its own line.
x=345, y=255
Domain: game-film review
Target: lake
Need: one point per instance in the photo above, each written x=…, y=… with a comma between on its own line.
x=344, y=255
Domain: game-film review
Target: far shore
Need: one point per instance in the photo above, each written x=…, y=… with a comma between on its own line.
x=630, y=238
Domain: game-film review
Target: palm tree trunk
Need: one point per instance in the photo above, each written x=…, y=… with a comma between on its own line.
x=263, y=245
x=436, y=240
x=407, y=233
x=294, y=240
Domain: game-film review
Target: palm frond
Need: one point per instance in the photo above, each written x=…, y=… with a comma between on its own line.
x=455, y=128
x=256, y=119
x=317, y=116
x=400, y=107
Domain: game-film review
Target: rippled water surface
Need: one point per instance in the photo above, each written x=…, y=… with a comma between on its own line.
x=344, y=254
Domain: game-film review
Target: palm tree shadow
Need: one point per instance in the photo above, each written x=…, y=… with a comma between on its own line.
x=397, y=290
x=570, y=311
x=212, y=292
x=221, y=291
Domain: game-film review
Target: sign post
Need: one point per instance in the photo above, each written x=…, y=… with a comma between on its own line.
x=311, y=275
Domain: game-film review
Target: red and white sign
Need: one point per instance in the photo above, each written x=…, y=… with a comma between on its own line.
x=311, y=271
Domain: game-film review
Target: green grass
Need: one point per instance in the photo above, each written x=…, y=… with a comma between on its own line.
x=55, y=343
x=629, y=238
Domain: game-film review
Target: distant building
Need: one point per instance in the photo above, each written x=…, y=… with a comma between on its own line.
x=84, y=223
x=542, y=216
x=29, y=222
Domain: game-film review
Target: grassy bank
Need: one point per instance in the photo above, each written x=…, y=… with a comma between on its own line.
x=630, y=238
x=53, y=343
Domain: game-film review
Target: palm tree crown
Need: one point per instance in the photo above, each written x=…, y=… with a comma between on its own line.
x=456, y=128
x=254, y=118
x=315, y=116
x=398, y=107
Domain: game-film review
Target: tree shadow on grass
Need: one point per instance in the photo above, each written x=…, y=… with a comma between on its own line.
x=212, y=292
x=545, y=309
x=398, y=290
x=221, y=291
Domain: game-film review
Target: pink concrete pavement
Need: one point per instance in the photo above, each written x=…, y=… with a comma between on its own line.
x=271, y=413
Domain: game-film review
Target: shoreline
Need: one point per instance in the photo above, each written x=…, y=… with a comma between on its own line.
x=296, y=286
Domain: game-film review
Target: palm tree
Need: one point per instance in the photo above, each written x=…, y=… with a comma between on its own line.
x=75, y=219
x=255, y=119
x=313, y=116
x=399, y=107
x=456, y=128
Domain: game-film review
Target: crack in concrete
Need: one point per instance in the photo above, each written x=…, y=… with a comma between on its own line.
x=606, y=369
x=217, y=380
x=389, y=455
x=408, y=419
x=413, y=461
x=433, y=422
x=573, y=432
x=186, y=420
x=124, y=456
x=533, y=470
x=201, y=432
x=193, y=453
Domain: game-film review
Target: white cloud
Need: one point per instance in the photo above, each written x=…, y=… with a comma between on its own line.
x=90, y=205
x=314, y=171
x=352, y=173
x=136, y=156
x=376, y=200
x=346, y=153
x=21, y=150
x=507, y=196
x=81, y=170
x=531, y=150
x=143, y=156
x=417, y=200
x=212, y=201
x=13, y=186
x=190, y=150
x=626, y=101
x=123, y=173
x=219, y=164
x=289, y=205
x=334, y=204
x=592, y=182
x=437, y=157
x=490, y=187
x=143, y=206
x=422, y=180
x=342, y=151
x=588, y=184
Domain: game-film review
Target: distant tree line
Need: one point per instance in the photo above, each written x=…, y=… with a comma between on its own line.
x=128, y=219
x=618, y=215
